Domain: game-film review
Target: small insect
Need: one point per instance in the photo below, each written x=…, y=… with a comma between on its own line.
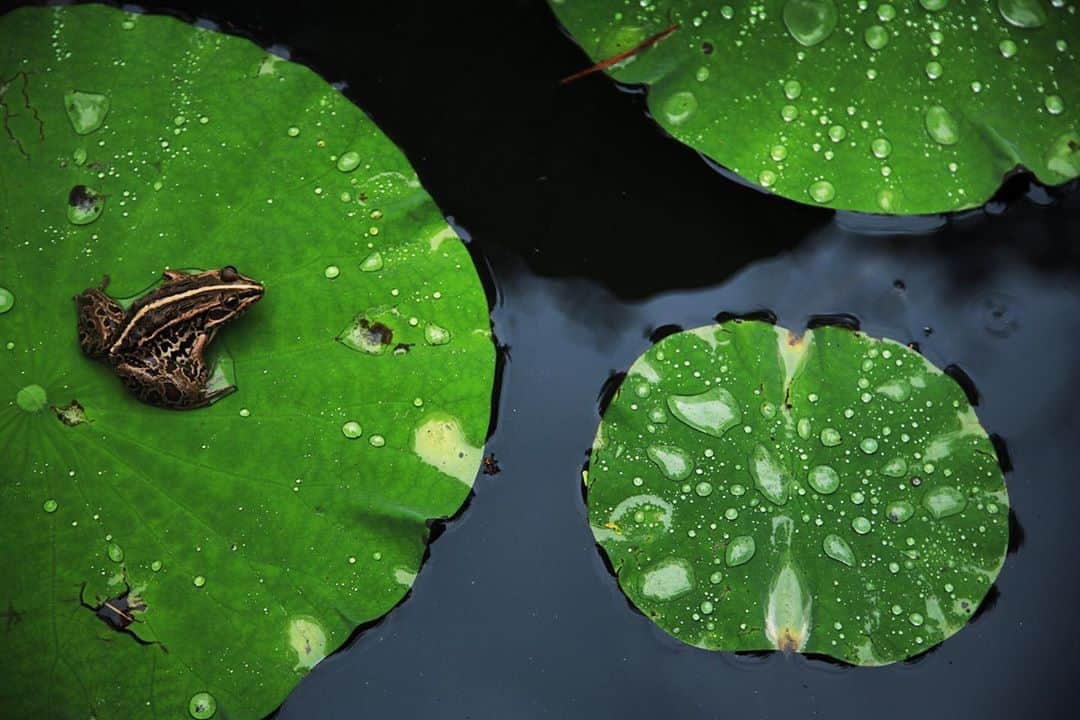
x=491, y=465
x=117, y=612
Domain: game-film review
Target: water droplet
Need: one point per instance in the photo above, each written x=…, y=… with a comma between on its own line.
x=436, y=335
x=348, y=161
x=716, y=577
x=858, y=497
x=876, y=37
x=115, y=552
x=837, y=133
x=860, y=525
x=1063, y=157
x=672, y=461
x=50, y=505
x=1008, y=48
x=706, y=607
x=933, y=5
x=7, y=300
x=868, y=445
x=1054, y=104
x=712, y=412
x=377, y=441
x=900, y=511
x=352, y=430
x=679, y=107
x=79, y=156
x=740, y=550
x=156, y=566
x=941, y=125
x=803, y=427
x=202, y=706
x=767, y=178
x=944, y=501
x=886, y=12
x=84, y=205
x=198, y=581
x=880, y=147
x=668, y=579
x=830, y=437
x=86, y=111
x=934, y=69
x=822, y=191
x=1023, y=13
x=897, y=467
x=704, y=488
x=837, y=548
x=823, y=479
x=702, y=74
x=810, y=21
x=768, y=410
x=731, y=513
x=331, y=272
x=293, y=131
x=915, y=619
x=32, y=398
x=778, y=152
x=789, y=113
x=372, y=262
x=770, y=477
x=792, y=89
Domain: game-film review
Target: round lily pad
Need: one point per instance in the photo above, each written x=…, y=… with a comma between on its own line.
x=830, y=493
x=197, y=563
x=883, y=107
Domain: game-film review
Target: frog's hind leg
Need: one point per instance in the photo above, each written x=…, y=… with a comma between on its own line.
x=100, y=317
x=156, y=386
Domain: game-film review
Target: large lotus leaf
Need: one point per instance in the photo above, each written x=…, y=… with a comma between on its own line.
x=261, y=531
x=829, y=494
x=904, y=107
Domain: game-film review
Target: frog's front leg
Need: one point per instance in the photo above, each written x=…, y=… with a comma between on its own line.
x=180, y=384
x=100, y=318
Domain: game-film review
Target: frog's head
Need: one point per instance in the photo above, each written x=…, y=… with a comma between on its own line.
x=232, y=294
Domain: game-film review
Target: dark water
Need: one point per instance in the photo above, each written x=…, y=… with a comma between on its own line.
x=596, y=230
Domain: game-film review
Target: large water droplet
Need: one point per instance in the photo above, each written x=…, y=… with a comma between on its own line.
x=821, y=191
x=436, y=334
x=830, y=437
x=868, y=445
x=348, y=161
x=1063, y=157
x=86, y=111
x=32, y=398
x=941, y=125
x=712, y=412
x=899, y=511
x=897, y=467
x=352, y=430
x=944, y=501
x=837, y=548
x=672, y=461
x=372, y=262
x=881, y=147
x=740, y=550
x=668, y=579
x=810, y=21
x=1008, y=48
x=202, y=706
x=1054, y=104
x=50, y=505
x=115, y=552
x=769, y=476
x=680, y=106
x=84, y=205
x=876, y=37
x=860, y=525
x=198, y=581
x=823, y=479
x=792, y=89
x=7, y=300
x=1023, y=13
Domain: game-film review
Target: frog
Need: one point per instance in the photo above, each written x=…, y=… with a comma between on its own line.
x=157, y=346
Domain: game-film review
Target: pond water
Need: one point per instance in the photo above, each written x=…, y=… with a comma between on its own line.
x=595, y=230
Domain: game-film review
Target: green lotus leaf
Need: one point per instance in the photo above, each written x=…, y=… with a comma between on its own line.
x=830, y=493
x=902, y=108
x=258, y=533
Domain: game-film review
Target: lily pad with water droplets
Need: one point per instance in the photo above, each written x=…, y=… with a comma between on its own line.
x=854, y=509
x=901, y=107
x=258, y=533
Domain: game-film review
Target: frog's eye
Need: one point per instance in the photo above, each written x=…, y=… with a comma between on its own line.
x=228, y=273
x=231, y=302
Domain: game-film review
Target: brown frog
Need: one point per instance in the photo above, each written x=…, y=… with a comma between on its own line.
x=157, y=345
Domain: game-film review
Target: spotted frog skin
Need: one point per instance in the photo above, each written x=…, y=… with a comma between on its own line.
x=157, y=346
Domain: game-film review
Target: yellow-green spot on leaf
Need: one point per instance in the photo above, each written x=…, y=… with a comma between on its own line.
x=308, y=639
x=440, y=442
